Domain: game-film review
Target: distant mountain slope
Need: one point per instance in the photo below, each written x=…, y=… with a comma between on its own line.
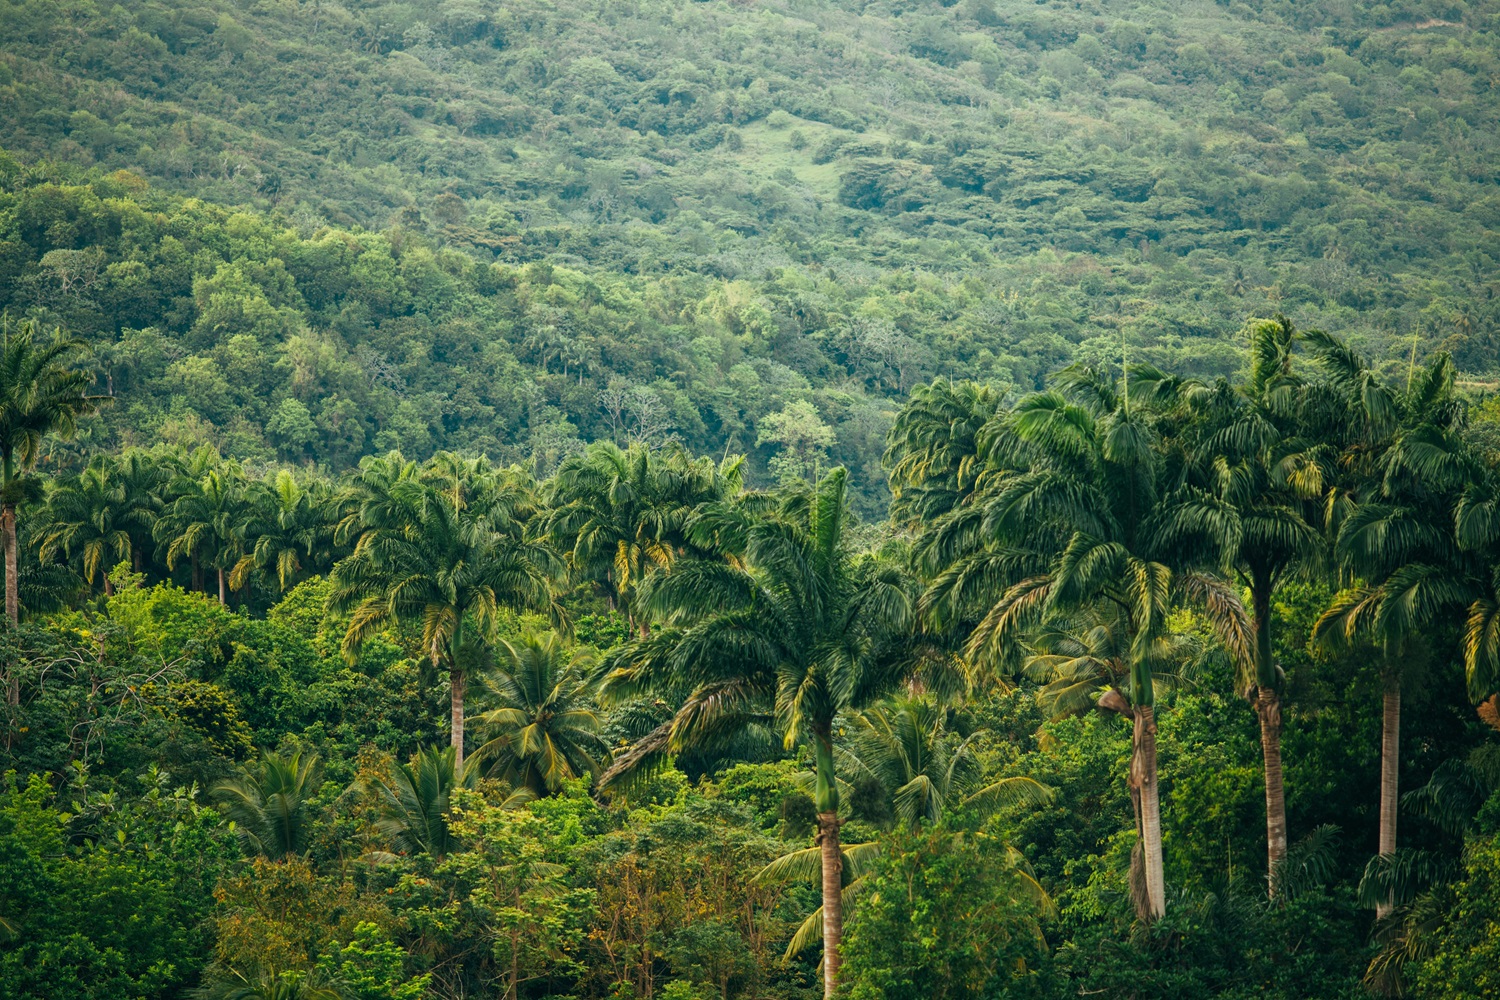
x=1002, y=186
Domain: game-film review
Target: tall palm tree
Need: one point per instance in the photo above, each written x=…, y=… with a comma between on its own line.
x=1399, y=539
x=287, y=522
x=620, y=512
x=207, y=523
x=41, y=393
x=86, y=516
x=449, y=556
x=792, y=630
x=542, y=730
x=1061, y=526
x=270, y=804
x=1254, y=469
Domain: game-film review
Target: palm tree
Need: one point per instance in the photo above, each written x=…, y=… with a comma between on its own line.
x=287, y=521
x=1254, y=469
x=449, y=556
x=414, y=800
x=1061, y=527
x=207, y=522
x=542, y=730
x=270, y=804
x=142, y=479
x=1399, y=539
x=620, y=512
x=40, y=394
x=932, y=453
x=86, y=516
x=792, y=630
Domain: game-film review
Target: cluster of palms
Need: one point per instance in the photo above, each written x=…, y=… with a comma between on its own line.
x=1058, y=532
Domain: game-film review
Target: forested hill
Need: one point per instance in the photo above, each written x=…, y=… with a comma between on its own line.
x=824, y=200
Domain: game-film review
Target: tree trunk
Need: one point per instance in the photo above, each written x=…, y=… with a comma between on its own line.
x=12, y=565
x=1266, y=700
x=1143, y=781
x=223, y=600
x=833, y=897
x=1268, y=709
x=456, y=733
x=197, y=576
x=12, y=593
x=109, y=587
x=1390, y=767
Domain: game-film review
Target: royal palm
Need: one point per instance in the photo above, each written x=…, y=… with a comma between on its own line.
x=447, y=555
x=790, y=630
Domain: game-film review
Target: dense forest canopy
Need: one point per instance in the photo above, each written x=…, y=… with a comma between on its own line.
x=696, y=500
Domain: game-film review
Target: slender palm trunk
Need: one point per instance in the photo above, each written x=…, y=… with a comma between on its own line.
x=831, y=853
x=12, y=567
x=833, y=897
x=1268, y=709
x=12, y=592
x=1390, y=767
x=197, y=575
x=223, y=599
x=1144, y=784
x=456, y=697
x=1267, y=704
x=109, y=587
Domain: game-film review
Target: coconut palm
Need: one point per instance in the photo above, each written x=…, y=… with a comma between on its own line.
x=270, y=804
x=542, y=731
x=41, y=393
x=1061, y=527
x=793, y=630
x=449, y=558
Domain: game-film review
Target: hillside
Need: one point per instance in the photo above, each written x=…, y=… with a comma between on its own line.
x=859, y=197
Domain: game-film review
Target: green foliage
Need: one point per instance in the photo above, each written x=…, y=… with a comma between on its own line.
x=943, y=915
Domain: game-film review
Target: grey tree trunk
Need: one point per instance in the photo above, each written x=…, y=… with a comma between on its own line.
x=1143, y=780
x=1390, y=769
x=223, y=600
x=12, y=567
x=12, y=590
x=833, y=897
x=456, y=732
x=1268, y=709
